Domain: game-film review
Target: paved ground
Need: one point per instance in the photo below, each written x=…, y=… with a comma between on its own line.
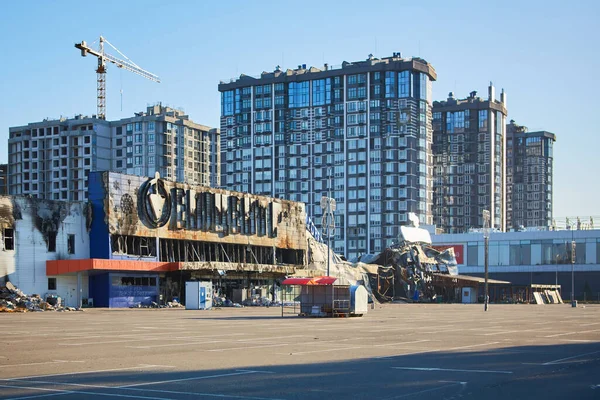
x=396, y=351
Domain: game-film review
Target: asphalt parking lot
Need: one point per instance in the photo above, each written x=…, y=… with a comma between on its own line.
x=396, y=351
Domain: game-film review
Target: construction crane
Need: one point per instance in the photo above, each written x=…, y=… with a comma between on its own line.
x=103, y=57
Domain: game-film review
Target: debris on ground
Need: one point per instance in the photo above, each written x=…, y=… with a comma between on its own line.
x=407, y=268
x=13, y=299
x=402, y=272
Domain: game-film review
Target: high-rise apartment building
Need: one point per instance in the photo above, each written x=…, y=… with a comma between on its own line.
x=51, y=159
x=364, y=126
x=165, y=140
x=469, y=152
x=3, y=179
x=528, y=177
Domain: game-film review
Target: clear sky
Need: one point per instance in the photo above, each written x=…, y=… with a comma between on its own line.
x=545, y=54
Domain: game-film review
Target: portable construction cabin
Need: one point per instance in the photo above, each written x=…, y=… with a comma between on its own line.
x=359, y=300
x=320, y=297
x=198, y=295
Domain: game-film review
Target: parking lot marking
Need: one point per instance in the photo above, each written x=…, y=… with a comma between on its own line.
x=55, y=392
x=141, y=366
x=195, y=378
x=195, y=394
x=173, y=344
x=570, y=358
x=297, y=353
x=40, y=363
x=482, y=371
x=426, y=391
x=470, y=346
x=58, y=392
x=250, y=347
x=570, y=333
x=401, y=343
x=593, y=323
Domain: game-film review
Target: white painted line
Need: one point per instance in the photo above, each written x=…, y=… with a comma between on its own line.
x=257, y=372
x=400, y=343
x=55, y=392
x=58, y=392
x=173, y=344
x=501, y=333
x=195, y=378
x=479, y=371
x=469, y=347
x=570, y=358
x=40, y=363
x=264, y=339
x=425, y=391
x=298, y=353
x=251, y=347
x=81, y=372
x=433, y=351
x=196, y=394
x=571, y=333
x=593, y=323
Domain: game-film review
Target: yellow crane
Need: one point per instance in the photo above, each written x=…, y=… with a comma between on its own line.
x=103, y=58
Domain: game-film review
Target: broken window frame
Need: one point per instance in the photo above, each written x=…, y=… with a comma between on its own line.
x=71, y=243
x=51, y=283
x=51, y=244
x=8, y=238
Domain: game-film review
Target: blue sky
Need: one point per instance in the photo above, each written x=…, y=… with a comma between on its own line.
x=543, y=53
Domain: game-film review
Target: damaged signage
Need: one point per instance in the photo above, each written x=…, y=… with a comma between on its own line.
x=155, y=207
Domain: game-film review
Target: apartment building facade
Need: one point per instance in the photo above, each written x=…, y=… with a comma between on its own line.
x=52, y=159
x=360, y=131
x=165, y=140
x=469, y=152
x=529, y=177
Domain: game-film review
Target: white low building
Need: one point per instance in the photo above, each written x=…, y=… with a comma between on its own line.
x=532, y=257
x=35, y=231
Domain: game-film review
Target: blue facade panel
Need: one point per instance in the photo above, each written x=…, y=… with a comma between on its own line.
x=99, y=236
x=130, y=295
x=99, y=289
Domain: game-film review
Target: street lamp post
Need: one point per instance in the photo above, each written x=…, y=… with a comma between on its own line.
x=486, y=243
x=573, y=301
x=328, y=206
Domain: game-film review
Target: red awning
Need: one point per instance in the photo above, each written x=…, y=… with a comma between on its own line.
x=319, y=280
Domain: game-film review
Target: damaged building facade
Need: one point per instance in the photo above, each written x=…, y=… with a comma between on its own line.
x=148, y=236
x=35, y=231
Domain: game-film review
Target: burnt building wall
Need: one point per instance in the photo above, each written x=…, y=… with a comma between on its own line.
x=137, y=216
x=34, y=231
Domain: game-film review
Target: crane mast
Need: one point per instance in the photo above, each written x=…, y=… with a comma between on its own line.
x=103, y=58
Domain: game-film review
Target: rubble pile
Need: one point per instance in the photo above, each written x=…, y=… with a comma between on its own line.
x=351, y=273
x=14, y=300
x=406, y=271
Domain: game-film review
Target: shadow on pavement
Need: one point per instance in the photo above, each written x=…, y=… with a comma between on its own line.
x=568, y=371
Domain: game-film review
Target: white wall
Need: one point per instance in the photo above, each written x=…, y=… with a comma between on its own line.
x=499, y=256
x=26, y=265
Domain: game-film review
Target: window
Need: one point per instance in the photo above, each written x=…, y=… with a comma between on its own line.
x=52, y=241
x=71, y=244
x=390, y=84
x=51, y=283
x=9, y=239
